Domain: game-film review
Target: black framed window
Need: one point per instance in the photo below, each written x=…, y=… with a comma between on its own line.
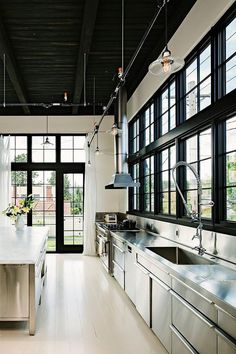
x=230, y=169
x=134, y=198
x=199, y=154
x=37, y=168
x=198, y=83
x=148, y=184
x=167, y=194
x=167, y=120
x=147, y=128
x=192, y=111
x=230, y=56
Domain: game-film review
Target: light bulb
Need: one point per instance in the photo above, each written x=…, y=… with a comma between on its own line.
x=97, y=151
x=89, y=163
x=166, y=61
x=65, y=96
x=114, y=130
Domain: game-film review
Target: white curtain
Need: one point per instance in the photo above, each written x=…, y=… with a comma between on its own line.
x=5, y=177
x=90, y=201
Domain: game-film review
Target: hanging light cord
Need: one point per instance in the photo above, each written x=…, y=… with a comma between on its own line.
x=4, y=80
x=166, y=21
x=84, y=79
x=122, y=35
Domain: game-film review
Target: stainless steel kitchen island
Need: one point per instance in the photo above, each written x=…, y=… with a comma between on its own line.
x=22, y=273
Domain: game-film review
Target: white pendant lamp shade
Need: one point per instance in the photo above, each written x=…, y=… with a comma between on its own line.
x=166, y=64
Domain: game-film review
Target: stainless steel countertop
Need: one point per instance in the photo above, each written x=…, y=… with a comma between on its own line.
x=215, y=281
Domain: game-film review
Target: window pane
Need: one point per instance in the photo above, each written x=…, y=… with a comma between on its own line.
x=172, y=156
x=231, y=203
x=147, y=118
x=165, y=203
x=205, y=93
x=205, y=144
x=172, y=117
x=172, y=94
x=205, y=63
x=173, y=203
x=231, y=169
x=231, y=75
x=191, y=76
x=192, y=200
x=165, y=181
x=206, y=198
x=66, y=155
x=205, y=173
x=230, y=35
x=79, y=156
x=231, y=134
x=66, y=142
x=190, y=178
x=21, y=142
x=191, y=148
x=21, y=156
x=191, y=103
x=164, y=160
x=79, y=142
x=164, y=101
x=164, y=123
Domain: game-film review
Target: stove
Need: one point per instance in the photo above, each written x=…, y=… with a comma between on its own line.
x=118, y=227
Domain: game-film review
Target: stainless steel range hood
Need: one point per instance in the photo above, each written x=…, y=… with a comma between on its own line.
x=121, y=179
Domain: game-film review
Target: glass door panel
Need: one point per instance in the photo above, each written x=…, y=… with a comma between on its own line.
x=44, y=211
x=73, y=201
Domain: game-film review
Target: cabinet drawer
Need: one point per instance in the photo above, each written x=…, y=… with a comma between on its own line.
x=204, y=305
x=119, y=274
x=161, y=311
x=227, y=322
x=225, y=346
x=179, y=344
x=143, y=293
x=154, y=269
x=193, y=326
x=118, y=255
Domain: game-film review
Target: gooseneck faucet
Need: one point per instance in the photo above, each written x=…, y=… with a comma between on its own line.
x=195, y=215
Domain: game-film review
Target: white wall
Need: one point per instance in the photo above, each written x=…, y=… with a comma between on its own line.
x=107, y=200
x=203, y=15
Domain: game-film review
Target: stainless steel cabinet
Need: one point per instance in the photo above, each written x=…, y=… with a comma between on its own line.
x=118, y=261
x=143, y=293
x=179, y=344
x=130, y=273
x=161, y=311
x=193, y=326
x=14, y=290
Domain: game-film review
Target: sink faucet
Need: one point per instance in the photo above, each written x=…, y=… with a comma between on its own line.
x=195, y=215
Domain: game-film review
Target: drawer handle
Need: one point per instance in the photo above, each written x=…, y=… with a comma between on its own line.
x=117, y=265
x=183, y=340
x=119, y=249
x=189, y=287
x=159, y=282
x=228, y=339
x=142, y=269
x=209, y=324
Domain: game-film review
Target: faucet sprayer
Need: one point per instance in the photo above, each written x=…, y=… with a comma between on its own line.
x=196, y=216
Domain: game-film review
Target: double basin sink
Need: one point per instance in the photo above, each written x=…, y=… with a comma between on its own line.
x=177, y=255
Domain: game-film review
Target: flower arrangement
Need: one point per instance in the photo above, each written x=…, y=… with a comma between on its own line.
x=23, y=207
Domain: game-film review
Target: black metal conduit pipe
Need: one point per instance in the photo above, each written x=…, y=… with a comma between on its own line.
x=123, y=76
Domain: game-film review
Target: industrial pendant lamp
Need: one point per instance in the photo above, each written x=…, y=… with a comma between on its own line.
x=97, y=151
x=47, y=141
x=167, y=64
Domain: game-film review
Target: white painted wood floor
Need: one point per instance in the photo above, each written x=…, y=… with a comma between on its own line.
x=83, y=311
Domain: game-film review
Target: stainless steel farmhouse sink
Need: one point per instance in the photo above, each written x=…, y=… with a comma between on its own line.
x=178, y=255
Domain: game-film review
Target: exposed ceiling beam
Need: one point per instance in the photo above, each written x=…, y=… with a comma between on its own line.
x=89, y=19
x=12, y=68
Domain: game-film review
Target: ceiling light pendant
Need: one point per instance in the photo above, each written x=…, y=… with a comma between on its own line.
x=47, y=142
x=114, y=130
x=97, y=151
x=167, y=64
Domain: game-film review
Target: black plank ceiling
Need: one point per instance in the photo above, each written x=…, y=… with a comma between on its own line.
x=44, y=43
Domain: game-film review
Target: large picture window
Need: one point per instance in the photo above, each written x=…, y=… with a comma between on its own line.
x=53, y=173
